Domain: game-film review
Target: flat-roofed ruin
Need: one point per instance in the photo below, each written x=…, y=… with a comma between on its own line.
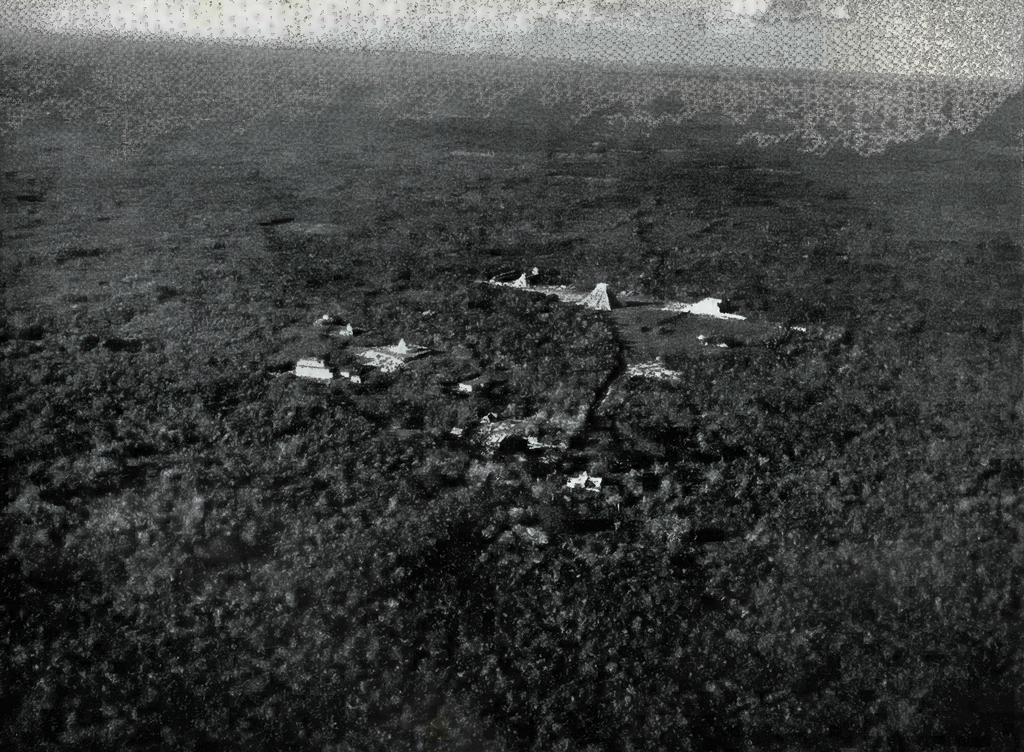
x=313, y=368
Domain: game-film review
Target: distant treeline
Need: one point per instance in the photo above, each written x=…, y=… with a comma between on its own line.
x=145, y=89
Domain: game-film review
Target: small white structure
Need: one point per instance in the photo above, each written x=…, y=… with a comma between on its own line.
x=600, y=299
x=456, y=431
x=521, y=281
x=706, y=307
x=313, y=368
x=475, y=384
x=586, y=481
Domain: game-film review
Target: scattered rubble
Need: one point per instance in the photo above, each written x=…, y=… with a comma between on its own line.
x=385, y=362
x=586, y=481
x=652, y=370
x=511, y=435
x=392, y=358
x=493, y=432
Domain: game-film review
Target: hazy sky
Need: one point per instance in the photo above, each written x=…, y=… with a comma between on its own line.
x=964, y=38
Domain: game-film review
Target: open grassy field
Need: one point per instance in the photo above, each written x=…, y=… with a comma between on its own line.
x=808, y=540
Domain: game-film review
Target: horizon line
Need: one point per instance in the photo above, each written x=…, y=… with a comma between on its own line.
x=322, y=45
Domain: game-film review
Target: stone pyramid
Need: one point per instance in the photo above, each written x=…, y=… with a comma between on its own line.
x=600, y=299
